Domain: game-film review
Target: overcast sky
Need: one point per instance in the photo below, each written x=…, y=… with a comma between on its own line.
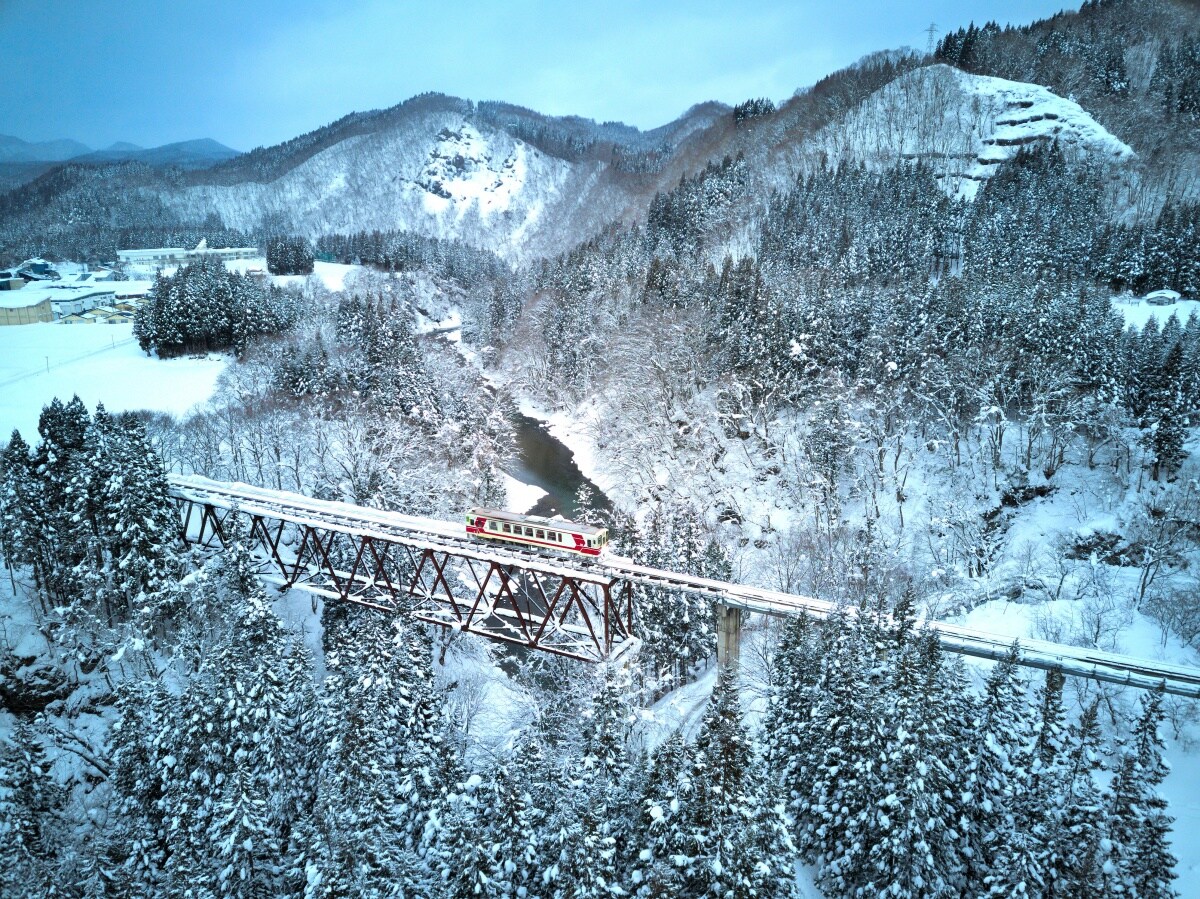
x=257, y=72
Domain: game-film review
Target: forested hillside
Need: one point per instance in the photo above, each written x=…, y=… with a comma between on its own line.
x=877, y=343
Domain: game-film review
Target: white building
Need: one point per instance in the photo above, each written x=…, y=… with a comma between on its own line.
x=166, y=257
x=62, y=299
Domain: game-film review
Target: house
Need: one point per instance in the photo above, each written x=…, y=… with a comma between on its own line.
x=37, y=270
x=133, y=291
x=1164, y=297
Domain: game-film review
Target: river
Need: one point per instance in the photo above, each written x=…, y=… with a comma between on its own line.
x=545, y=462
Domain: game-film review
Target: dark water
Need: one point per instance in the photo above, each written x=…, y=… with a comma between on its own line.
x=547, y=463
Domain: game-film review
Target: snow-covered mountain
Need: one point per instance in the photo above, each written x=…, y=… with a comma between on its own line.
x=524, y=185
x=439, y=174
x=453, y=170
x=498, y=177
x=963, y=125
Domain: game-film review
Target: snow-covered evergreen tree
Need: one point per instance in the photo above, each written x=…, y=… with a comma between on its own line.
x=1139, y=859
x=31, y=831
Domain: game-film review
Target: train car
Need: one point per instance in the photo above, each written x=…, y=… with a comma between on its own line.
x=531, y=530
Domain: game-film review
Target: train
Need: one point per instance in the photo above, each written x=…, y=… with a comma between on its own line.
x=531, y=530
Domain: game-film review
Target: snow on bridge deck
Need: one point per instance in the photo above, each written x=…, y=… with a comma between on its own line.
x=428, y=533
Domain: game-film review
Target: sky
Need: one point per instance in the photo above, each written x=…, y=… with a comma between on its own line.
x=257, y=72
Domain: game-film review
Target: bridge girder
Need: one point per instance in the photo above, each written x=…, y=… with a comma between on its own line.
x=589, y=618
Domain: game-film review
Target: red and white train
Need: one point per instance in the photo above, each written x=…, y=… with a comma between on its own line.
x=530, y=530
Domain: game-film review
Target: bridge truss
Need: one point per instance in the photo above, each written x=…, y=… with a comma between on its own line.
x=582, y=608
x=427, y=569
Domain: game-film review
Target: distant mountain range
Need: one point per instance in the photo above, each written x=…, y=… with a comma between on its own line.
x=187, y=154
x=22, y=161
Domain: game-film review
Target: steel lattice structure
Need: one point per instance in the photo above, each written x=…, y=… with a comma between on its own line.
x=575, y=606
x=446, y=580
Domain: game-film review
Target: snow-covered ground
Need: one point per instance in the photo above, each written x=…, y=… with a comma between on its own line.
x=331, y=274
x=1137, y=312
x=521, y=496
x=101, y=363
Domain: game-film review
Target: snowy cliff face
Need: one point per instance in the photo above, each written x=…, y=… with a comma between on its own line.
x=962, y=125
x=437, y=174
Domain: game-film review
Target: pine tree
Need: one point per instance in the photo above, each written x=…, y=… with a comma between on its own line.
x=135, y=851
x=377, y=777
x=140, y=524
x=238, y=726
x=842, y=780
x=1027, y=858
x=913, y=842
x=736, y=838
x=993, y=781
x=19, y=503
x=30, y=805
x=1140, y=860
x=664, y=858
x=1081, y=823
x=590, y=830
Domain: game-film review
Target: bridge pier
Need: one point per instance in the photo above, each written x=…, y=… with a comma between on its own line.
x=729, y=634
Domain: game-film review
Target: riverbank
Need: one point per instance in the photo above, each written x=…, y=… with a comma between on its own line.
x=547, y=465
x=572, y=431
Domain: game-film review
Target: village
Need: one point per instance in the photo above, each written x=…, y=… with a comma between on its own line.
x=73, y=293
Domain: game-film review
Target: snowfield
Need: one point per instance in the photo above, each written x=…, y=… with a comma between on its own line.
x=1137, y=312
x=101, y=363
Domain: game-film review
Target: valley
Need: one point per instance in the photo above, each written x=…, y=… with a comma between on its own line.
x=898, y=342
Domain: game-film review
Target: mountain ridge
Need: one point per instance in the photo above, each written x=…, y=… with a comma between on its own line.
x=525, y=185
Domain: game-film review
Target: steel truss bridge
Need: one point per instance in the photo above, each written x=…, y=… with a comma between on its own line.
x=578, y=607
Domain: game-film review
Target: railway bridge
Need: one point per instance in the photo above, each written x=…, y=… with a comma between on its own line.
x=579, y=607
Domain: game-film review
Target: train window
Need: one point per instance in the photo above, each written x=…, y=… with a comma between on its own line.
x=541, y=535
x=491, y=525
x=552, y=535
x=507, y=529
x=528, y=532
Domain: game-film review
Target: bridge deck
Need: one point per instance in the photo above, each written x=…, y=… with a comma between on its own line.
x=427, y=533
